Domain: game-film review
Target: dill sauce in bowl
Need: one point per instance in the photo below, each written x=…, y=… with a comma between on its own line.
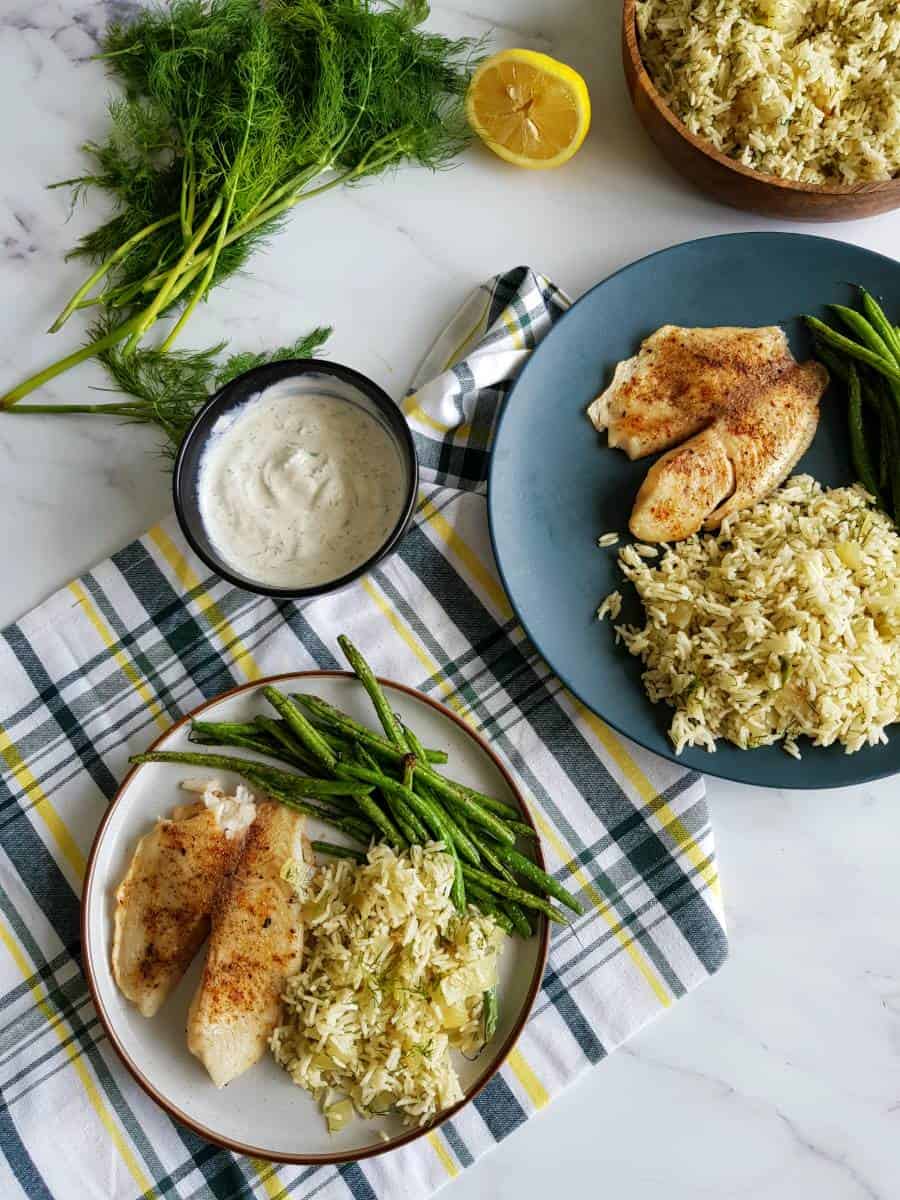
x=296, y=478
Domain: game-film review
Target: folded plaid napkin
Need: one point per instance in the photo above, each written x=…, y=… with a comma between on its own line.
x=105, y=664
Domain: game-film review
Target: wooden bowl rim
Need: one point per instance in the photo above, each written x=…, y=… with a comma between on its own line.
x=629, y=29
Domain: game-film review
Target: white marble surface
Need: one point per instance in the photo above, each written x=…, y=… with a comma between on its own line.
x=781, y=1077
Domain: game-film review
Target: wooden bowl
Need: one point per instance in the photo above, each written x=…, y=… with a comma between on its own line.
x=729, y=181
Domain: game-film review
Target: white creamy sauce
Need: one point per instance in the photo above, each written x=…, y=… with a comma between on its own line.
x=297, y=488
x=233, y=814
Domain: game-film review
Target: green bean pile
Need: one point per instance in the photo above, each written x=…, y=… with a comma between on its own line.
x=868, y=364
x=374, y=788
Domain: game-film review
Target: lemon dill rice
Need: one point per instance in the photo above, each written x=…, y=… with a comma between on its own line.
x=783, y=623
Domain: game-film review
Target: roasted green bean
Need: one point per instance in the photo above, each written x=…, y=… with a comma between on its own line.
x=302, y=729
x=334, y=851
x=859, y=451
x=366, y=677
x=533, y=873
x=512, y=892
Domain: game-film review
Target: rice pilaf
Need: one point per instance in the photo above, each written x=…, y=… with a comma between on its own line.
x=393, y=978
x=808, y=90
x=783, y=623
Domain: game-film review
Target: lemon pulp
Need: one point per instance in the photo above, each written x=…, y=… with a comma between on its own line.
x=529, y=108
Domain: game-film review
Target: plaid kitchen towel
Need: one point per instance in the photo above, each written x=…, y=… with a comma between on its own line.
x=99, y=669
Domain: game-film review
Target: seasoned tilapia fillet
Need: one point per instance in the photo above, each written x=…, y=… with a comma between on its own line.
x=679, y=381
x=255, y=944
x=163, y=904
x=735, y=405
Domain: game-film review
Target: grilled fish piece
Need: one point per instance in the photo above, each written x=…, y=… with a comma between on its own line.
x=679, y=381
x=681, y=487
x=163, y=904
x=735, y=404
x=256, y=943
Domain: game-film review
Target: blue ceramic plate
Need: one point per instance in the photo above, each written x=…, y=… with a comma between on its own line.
x=555, y=486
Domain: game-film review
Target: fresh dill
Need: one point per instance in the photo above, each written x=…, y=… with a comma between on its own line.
x=167, y=388
x=304, y=347
x=232, y=113
x=425, y=1049
x=383, y=982
x=421, y=993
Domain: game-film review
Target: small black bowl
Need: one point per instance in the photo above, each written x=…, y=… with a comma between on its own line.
x=332, y=379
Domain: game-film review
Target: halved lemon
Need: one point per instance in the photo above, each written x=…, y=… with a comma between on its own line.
x=529, y=108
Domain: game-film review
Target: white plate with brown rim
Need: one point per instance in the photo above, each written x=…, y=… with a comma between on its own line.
x=262, y=1113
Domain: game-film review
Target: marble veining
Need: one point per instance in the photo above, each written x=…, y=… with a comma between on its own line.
x=780, y=1078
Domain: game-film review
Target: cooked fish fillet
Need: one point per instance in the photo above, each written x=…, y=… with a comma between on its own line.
x=256, y=943
x=679, y=381
x=163, y=904
x=765, y=438
x=735, y=404
x=681, y=488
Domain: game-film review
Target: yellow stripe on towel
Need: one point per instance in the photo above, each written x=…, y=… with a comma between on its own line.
x=457, y=545
x=221, y=626
x=534, y=1089
x=267, y=1173
x=443, y=1154
x=604, y=909
x=684, y=840
x=73, y=1053
x=416, y=412
x=508, y=317
x=124, y=663
x=43, y=806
